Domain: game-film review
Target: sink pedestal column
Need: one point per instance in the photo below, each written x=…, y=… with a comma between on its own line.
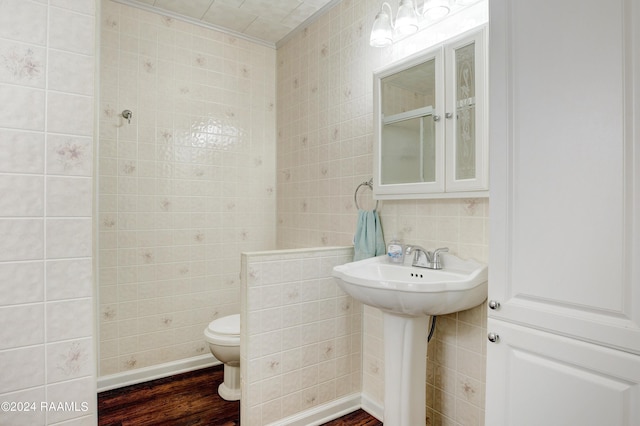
x=405, y=369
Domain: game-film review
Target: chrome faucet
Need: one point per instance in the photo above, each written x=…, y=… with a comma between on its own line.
x=423, y=258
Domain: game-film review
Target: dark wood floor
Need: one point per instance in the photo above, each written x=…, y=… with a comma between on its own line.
x=184, y=400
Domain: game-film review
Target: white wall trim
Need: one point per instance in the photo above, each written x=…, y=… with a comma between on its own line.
x=322, y=413
x=140, y=375
x=372, y=407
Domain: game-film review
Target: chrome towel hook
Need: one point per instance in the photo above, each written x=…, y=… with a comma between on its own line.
x=127, y=114
x=369, y=183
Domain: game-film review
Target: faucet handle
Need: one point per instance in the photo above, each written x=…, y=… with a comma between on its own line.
x=435, y=257
x=437, y=251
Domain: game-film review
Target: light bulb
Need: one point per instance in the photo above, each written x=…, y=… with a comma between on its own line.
x=382, y=30
x=436, y=9
x=406, y=19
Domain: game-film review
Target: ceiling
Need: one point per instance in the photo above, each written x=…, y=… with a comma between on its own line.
x=266, y=21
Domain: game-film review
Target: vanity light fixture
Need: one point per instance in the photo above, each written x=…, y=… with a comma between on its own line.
x=408, y=20
x=384, y=29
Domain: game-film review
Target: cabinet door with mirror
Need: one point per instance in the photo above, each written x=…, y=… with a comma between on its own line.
x=430, y=116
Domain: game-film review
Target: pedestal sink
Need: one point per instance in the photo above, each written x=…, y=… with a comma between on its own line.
x=408, y=296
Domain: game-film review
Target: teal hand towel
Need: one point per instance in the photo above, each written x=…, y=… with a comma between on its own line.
x=368, y=241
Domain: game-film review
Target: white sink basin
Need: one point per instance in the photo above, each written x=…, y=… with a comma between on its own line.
x=407, y=290
x=407, y=296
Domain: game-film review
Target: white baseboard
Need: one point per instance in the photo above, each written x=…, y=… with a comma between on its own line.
x=372, y=407
x=140, y=375
x=322, y=413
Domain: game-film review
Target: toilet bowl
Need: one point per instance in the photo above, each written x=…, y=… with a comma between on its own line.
x=223, y=336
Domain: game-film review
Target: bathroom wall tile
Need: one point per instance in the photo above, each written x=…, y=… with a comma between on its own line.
x=22, y=325
x=68, y=31
x=88, y=8
x=62, y=320
x=69, y=155
x=21, y=152
x=68, y=279
x=26, y=152
x=67, y=238
x=22, y=195
x=81, y=392
x=69, y=360
x=69, y=196
x=81, y=66
x=23, y=21
x=22, y=368
x=22, y=64
x=15, y=100
x=24, y=417
x=304, y=365
x=70, y=114
x=22, y=239
x=23, y=283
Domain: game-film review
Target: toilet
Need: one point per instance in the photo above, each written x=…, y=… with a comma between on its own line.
x=223, y=336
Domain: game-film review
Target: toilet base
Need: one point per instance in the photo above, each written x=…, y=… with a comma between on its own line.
x=229, y=390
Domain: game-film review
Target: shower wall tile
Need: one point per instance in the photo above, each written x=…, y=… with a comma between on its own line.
x=184, y=188
x=24, y=21
x=22, y=368
x=301, y=334
x=21, y=195
x=24, y=283
x=46, y=302
x=15, y=100
x=21, y=152
x=23, y=239
x=22, y=325
x=325, y=150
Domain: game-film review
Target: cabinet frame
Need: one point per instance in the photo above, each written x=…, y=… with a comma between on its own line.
x=445, y=184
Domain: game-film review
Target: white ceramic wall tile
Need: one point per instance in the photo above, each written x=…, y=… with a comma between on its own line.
x=80, y=392
x=69, y=155
x=69, y=360
x=70, y=72
x=21, y=107
x=22, y=64
x=23, y=239
x=23, y=283
x=22, y=325
x=71, y=31
x=69, y=196
x=21, y=195
x=86, y=7
x=62, y=323
x=22, y=368
x=21, y=152
x=69, y=279
x=70, y=114
x=23, y=21
x=298, y=338
x=184, y=188
x=68, y=238
x=29, y=153
x=35, y=417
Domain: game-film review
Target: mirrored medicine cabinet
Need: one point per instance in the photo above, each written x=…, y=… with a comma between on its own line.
x=430, y=123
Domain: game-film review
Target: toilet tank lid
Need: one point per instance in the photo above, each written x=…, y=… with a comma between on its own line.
x=226, y=325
